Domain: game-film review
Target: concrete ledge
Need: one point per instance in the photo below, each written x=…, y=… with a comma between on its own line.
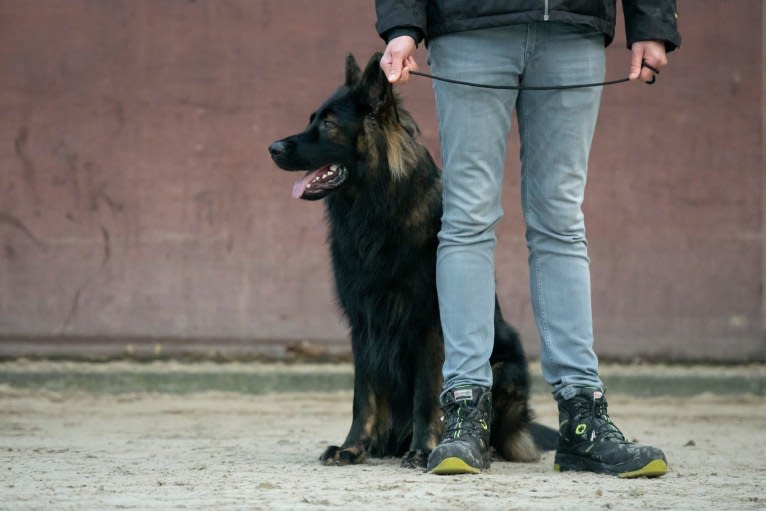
x=78, y=348
x=260, y=378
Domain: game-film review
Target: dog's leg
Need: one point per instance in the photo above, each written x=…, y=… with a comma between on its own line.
x=426, y=412
x=356, y=446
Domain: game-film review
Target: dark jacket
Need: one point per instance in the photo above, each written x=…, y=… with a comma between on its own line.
x=428, y=19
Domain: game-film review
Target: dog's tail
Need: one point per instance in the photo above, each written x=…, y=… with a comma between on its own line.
x=514, y=434
x=545, y=438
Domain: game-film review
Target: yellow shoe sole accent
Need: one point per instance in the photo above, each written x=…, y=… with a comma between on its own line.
x=654, y=468
x=451, y=466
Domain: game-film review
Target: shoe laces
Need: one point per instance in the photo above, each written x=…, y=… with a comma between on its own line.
x=464, y=419
x=595, y=408
x=604, y=426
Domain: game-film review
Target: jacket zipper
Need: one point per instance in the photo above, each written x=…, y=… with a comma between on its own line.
x=546, y=17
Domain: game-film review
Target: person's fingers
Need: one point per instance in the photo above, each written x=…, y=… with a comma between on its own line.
x=385, y=63
x=647, y=57
x=397, y=59
x=394, y=67
x=647, y=74
x=411, y=64
x=637, y=56
x=404, y=71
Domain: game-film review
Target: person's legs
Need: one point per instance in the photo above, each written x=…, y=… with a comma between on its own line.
x=556, y=129
x=556, y=132
x=473, y=129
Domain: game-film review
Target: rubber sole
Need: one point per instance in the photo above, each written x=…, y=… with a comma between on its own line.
x=453, y=465
x=654, y=468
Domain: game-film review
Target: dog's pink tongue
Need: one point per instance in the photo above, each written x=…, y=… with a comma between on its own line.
x=300, y=186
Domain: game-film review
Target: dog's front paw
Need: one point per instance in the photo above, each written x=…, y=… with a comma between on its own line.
x=335, y=455
x=417, y=458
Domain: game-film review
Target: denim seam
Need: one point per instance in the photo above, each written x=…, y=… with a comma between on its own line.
x=536, y=274
x=529, y=44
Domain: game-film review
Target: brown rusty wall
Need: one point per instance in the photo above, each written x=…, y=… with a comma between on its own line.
x=137, y=197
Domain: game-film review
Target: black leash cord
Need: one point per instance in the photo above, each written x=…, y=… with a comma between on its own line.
x=534, y=87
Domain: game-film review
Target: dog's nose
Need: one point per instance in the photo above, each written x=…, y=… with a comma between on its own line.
x=277, y=148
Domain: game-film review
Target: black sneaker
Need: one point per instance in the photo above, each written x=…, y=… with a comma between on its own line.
x=464, y=448
x=589, y=441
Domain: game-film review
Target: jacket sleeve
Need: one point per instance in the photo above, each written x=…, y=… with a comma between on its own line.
x=652, y=19
x=401, y=17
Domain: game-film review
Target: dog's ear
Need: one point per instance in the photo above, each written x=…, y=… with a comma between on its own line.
x=374, y=85
x=352, y=71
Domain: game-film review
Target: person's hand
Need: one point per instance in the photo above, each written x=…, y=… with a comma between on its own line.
x=652, y=52
x=397, y=60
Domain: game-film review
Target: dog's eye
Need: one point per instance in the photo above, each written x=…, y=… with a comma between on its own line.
x=328, y=125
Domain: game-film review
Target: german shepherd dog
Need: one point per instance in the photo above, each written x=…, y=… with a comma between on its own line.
x=382, y=193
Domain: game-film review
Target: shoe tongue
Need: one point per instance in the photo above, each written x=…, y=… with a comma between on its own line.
x=465, y=394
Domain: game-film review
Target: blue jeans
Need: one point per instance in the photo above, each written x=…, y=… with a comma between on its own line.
x=556, y=130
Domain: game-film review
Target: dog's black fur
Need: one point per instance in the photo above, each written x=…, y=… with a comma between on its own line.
x=382, y=193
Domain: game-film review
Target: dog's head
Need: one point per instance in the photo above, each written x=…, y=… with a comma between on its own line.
x=358, y=128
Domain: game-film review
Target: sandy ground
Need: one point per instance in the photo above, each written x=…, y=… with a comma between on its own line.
x=237, y=451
